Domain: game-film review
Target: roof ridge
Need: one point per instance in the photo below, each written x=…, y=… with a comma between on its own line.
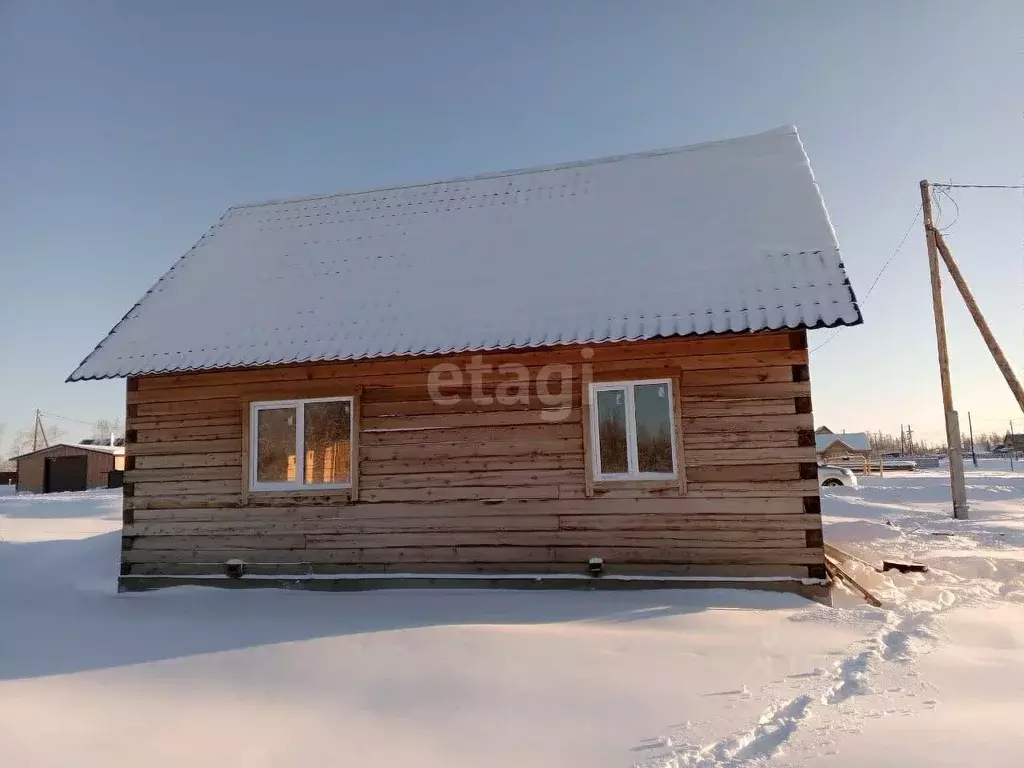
x=780, y=130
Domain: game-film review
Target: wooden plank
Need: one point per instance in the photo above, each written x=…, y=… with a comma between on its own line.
x=188, y=460
x=763, y=489
x=734, y=408
x=202, y=432
x=473, y=435
x=758, y=359
x=589, y=455
x=509, y=478
x=655, y=569
x=466, y=405
x=471, y=464
x=247, y=392
x=343, y=525
x=202, y=487
x=698, y=527
x=330, y=506
x=735, y=456
x=836, y=570
x=635, y=539
x=302, y=380
x=220, y=541
x=637, y=491
x=446, y=421
x=228, y=515
x=357, y=417
x=717, y=377
x=719, y=440
x=186, y=474
x=135, y=503
x=748, y=425
x=384, y=392
x=225, y=419
x=461, y=493
x=758, y=391
x=245, y=460
x=661, y=523
x=179, y=407
x=709, y=345
x=748, y=540
x=678, y=434
x=511, y=448
x=490, y=554
x=744, y=473
x=180, y=447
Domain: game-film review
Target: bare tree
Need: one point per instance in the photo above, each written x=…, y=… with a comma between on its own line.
x=24, y=439
x=106, y=427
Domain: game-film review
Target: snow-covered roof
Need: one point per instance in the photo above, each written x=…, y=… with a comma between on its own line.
x=717, y=237
x=116, y=450
x=855, y=441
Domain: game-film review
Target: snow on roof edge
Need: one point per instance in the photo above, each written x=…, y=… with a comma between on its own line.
x=810, y=319
x=104, y=449
x=455, y=351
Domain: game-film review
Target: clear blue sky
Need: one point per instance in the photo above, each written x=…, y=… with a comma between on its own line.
x=129, y=127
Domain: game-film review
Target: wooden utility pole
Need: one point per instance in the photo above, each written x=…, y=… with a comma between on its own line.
x=970, y=429
x=1013, y=445
x=38, y=431
x=979, y=320
x=954, y=450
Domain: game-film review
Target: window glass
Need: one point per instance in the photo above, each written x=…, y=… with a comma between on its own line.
x=328, y=434
x=275, y=445
x=653, y=427
x=611, y=431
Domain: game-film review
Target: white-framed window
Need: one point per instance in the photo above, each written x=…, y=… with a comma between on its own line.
x=301, y=444
x=632, y=429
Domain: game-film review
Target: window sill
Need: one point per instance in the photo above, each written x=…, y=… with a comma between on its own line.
x=650, y=478
x=305, y=490
x=630, y=483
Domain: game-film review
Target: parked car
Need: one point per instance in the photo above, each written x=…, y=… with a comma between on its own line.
x=829, y=476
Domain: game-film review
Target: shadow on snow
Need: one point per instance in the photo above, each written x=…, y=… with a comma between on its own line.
x=62, y=613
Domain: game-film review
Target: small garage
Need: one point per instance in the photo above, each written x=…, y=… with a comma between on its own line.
x=62, y=467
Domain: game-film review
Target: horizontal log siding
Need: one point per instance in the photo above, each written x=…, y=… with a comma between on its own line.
x=482, y=488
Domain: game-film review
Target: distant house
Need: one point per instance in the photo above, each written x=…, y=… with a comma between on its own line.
x=1013, y=442
x=569, y=375
x=63, y=467
x=834, y=446
x=8, y=473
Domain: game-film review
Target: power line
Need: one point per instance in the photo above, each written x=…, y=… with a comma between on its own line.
x=67, y=418
x=878, y=276
x=956, y=217
x=979, y=186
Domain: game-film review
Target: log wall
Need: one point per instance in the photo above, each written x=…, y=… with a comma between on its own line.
x=477, y=487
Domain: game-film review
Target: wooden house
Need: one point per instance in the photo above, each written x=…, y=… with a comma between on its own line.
x=574, y=375
x=64, y=467
x=842, y=446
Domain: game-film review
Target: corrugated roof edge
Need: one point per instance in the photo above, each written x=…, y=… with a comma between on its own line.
x=71, y=377
x=828, y=218
x=782, y=130
x=820, y=325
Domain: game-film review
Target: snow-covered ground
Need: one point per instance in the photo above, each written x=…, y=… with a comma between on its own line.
x=459, y=678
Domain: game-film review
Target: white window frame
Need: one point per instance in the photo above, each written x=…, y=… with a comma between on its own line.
x=300, y=443
x=632, y=461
